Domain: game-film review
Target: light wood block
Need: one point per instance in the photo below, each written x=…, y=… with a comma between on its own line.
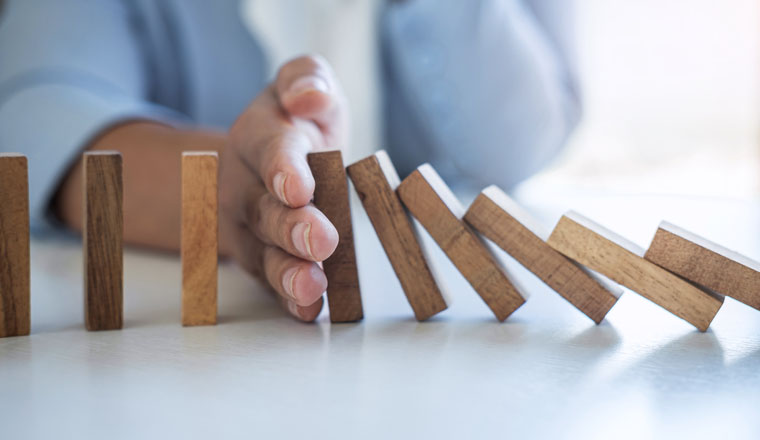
x=431, y=202
x=331, y=197
x=375, y=180
x=622, y=261
x=706, y=263
x=14, y=246
x=500, y=219
x=103, y=241
x=200, y=237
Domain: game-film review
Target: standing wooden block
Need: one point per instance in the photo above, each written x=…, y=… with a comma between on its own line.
x=200, y=237
x=331, y=197
x=430, y=201
x=706, y=263
x=14, y=245
x=500, y=219
x=375, y=180
x=103, y=241
x=622, y=261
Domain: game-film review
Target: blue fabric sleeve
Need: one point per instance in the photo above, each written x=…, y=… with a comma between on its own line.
x=68, y=70
x=483, y=89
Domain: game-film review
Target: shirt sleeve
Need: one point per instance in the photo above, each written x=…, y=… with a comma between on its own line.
x=68, y=70
x=483, y=89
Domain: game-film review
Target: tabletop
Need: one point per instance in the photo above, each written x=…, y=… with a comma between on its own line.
x=547, y=371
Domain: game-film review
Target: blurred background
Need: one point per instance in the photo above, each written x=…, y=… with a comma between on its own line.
x=671, y=99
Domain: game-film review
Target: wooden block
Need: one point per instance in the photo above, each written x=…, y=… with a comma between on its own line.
x=432, y=203
x=706, y=263
x=622, y=261
x=200, y=237
x=14, y=245
x=375, y=180
x=500, y=219
x=103, y=240
x=331, y=197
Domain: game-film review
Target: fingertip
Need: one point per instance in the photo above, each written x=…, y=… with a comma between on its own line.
x=324, y=239
x=307, y=104
x=306, y=313
x=308, y=285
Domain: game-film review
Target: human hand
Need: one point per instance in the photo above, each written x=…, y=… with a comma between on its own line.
x=267, y=222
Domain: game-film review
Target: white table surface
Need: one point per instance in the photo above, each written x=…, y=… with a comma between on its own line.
x=547, y=371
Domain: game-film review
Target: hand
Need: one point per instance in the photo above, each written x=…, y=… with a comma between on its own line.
x=267, y=221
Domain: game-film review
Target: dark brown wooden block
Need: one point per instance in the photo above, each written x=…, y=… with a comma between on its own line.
x=432, y=203
x=500, y=219
x=331, y=197
x=14, y=246
x=103, y=240
x=706, y=263
x=375, y=180
x=623, y=262
x=200, y=238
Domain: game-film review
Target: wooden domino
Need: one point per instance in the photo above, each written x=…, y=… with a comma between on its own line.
x=331, y=197
x=622, y=261
x=200, y=238
x=14, y=246
x=103, y=240
x=431, y=202
x=375, y=180
x=706, y=263
x=500, y=219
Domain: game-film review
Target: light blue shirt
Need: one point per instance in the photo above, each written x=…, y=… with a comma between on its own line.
x=484, y=90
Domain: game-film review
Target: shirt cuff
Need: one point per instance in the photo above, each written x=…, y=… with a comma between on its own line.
x=52, y=123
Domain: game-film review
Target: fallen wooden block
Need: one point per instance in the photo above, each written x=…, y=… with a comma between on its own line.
x=622, y=261
x=706, y=263
x=14, y=246
x=500, y=219
x=432, y=203
x=375, y=180
x=102, y=236
x=200, y=238
x=331, y=197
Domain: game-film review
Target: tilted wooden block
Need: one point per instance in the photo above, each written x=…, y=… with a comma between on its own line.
x=622, y=261
x=432, y=203
x=103, y=240
x=375, y=180
x=706, y=263
x=14, y=245
x=200, y=238
x=331, y=197
x=500, y=219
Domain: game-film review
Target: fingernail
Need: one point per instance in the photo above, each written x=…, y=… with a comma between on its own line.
x=279, y=186
x=288, y=281
x=293, y=308
x=308, y=83
x=301, y=235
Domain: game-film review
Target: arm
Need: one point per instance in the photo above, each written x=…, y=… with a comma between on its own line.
x=485, y=88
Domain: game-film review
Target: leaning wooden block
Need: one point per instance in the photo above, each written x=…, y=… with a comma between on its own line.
x=706, y=263
x=375, y=180
x=331, y=197
x=103, y=240
x=500, y=219
x=622, y=261
x=200, y=238
x=430, y=201
x=14, y=245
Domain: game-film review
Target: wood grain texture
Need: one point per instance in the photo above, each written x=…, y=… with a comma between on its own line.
x=706, y=263
x=331, y=197
x=102, y=237
x=432, y=203
x=14, y=246
x=622, y=261
x=375, y=180
x=200, y=237
x=500, y=219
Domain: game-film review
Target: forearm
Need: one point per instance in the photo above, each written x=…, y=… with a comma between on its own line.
x=152, y=177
